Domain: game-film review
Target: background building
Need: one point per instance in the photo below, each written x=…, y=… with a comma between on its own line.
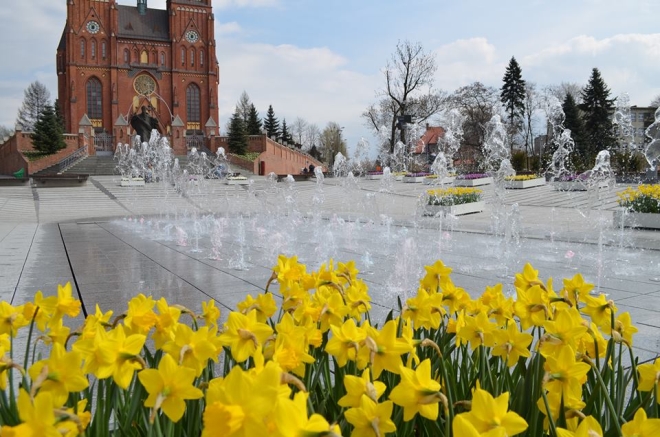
x=114, y=59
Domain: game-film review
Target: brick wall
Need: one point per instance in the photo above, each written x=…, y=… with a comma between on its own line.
x=12, y=160
x=276, y=158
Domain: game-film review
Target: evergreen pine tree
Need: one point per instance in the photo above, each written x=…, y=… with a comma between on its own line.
x=237, y=140
x=597, y=108
x=513, y=96
x=47, y=135
x=574, y=122
x=35, y=100
x=254, y=122
x=58, y=113
x=271, y=124
x=286, y=135
x=315, y=153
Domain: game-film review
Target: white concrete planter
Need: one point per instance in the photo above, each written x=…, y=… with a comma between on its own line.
x=465, y=208
x=398, y=178
x=473, y=182
x=373, y=177
x=237, y=182
x=524, y=184
x=636, y=219
x=575, y=186
x=413, y=179
x=132, y=182
x=433, y=181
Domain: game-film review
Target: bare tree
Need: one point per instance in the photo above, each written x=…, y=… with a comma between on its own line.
x=312, y=136
x=243, y=106
x=656, y=101
x=298, y=129
x=332, y=142
x=560, y=91
x=532, y=104
x=408, y=90
x=36, y=98
x=478, y=103
x=5, y=132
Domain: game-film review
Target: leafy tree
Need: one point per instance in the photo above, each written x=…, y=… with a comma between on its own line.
x=253, y=126
x=35, y=99
x=597, y=108
x=332, y=142
x=574, y=122
x=48, y=133
x=271, y=124
x=409, y=77
x=286, y=135
x=513, y=97
x=237, y=140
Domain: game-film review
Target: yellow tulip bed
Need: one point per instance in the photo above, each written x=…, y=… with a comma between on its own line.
x=453, y=196
x=309, y=362
x=644, y=198
x=522, y=177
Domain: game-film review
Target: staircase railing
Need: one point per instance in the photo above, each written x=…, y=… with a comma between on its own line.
x=70, y=160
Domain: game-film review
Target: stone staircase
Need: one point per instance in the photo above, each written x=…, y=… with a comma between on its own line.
x=105, y=165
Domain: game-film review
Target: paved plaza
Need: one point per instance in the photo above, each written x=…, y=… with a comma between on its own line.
x=94, y=236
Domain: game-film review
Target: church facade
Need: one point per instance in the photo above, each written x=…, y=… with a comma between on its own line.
x=114, y=60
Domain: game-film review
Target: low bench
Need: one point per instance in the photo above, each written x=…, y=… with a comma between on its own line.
x=59, y=180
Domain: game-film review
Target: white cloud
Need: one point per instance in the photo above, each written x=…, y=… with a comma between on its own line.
x=227, y=28
x=465, y=61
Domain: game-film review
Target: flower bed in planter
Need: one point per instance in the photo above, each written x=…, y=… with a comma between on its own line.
x=132, y=182
x=576, y=185
x=237, y=180
x=374, y=175
x=524, y=181
x=640, y=207
x=414, y=177
x=433, y=179
x=455, y=201
x=472, y=180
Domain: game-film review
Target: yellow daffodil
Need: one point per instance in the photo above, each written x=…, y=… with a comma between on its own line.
x=192, y=349
x=357, y=299
x=140, y=315
x=499, y=307
x=532, y=306
x=576, y=289
x=417, y=392
x=424, y=310
x=165, y=322
x=588, y=427
x=59, y=374
x=570, y=399
x=476, y=331
x=624, y=329
x=169, y=387
x=332, y=305
x=37, y=416
x=382, y=349
x=563, y=372
x=371, y=419
x=291, y=419
x=566, y=328
x=511, y=344
x=649, y=374
x=264, y=304
x=41, y=310
x=56, y=332
x=93, y=322
x=490, y=415
x=288, y=270
x=600, y=310
x=244, y=334
x=210, y=313
x=527, y=279
x=11, y=319
x=358, y=386
x=435, y=273
x=344, y=342
x=641, y=426
x=463, y=428
x=66, y=305
x=454, y=298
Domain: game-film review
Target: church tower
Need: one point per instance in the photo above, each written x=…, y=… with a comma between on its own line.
x=113, y=59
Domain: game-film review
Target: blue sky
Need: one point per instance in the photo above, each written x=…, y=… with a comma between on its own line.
x=323, y=60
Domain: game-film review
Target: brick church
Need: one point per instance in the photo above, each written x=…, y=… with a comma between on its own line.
x=113, y=60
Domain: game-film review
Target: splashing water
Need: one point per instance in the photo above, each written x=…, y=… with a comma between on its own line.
x=652, y=151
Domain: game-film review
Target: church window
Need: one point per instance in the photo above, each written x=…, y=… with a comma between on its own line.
x=127, y=56
x=201, y=58
x=144, y=57
x=93, y=49
x=183, y=56
x=192, y=57
x=104, y=50
x=193, y=104
x=162, y=58
x=82, y=47
x=94, y=99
